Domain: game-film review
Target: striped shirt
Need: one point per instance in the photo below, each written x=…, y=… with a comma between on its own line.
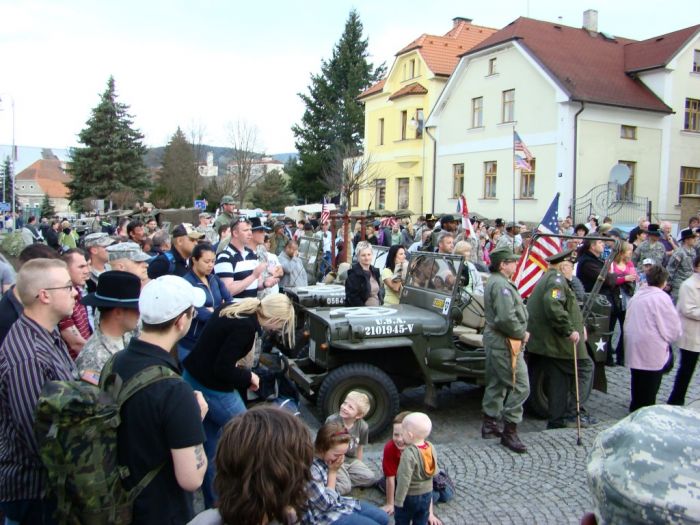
x=237, y=265
x=80, y=319
x=29, y=357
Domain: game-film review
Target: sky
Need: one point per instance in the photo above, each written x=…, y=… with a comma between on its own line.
x=203, y=65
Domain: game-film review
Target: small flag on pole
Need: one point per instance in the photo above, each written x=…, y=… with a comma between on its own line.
x=325, y=211
x=521, y=155
x=463, y=210
x=529, y=271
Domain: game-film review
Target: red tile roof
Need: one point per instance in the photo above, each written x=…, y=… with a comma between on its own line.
x=49, y=175
x=657, y=51
x=441, y=53
x=588, y=66
x=412, y=89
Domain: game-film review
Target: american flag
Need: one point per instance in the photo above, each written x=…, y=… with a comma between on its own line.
x=388, y=222
x=325, y=212
x=529, y=271
x=521, y=155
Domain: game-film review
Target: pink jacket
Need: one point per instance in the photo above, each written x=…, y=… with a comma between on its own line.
x=651, y=325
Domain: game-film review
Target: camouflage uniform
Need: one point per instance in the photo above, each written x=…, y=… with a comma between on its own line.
x=98, y=349
x=680, y=267
x=647, y=250
x=512, y=243
x=209, y=232
x=506, y=316
x=646, y=468
x=223, y=218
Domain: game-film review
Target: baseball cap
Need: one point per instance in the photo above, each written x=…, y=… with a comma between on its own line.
x=648, y=261
x=166, y=297
x=186, y=229
x=98, y=239
x=127, y=250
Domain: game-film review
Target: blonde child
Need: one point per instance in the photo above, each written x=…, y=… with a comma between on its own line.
x=354, y=472
x=414, y=478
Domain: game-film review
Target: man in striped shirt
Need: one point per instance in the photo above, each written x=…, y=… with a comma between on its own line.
x=33, y=352
x=237, y=266
x=75, y=329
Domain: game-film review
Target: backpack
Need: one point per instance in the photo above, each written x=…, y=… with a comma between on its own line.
x=171, y=262
x=76, y=430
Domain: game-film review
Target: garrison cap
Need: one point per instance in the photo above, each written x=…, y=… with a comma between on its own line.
x=566, y=255
x=646, y=468
x=97, y=239
x=503, y=255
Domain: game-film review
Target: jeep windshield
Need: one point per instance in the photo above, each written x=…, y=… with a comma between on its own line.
x=436, y=272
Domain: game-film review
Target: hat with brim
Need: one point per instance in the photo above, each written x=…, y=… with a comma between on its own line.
x=648, y=261
x=566, y=255
x=97, y=239
x=227, y=199
x=653, y=229
x=115, y=289
x=604, y=228
x=687, y=234
x=256, y=225
x=503, y=255
x=127, y=250
x=186, y=229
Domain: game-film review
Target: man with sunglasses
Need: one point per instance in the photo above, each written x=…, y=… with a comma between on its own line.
x=33, y=352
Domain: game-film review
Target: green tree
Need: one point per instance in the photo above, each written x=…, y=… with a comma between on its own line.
x=272, y=192
x=112, y=157
x=179, y=177
x=333, y=119
x=5, y=180
x=46, y=209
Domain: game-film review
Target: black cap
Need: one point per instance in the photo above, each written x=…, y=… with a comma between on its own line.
x=653, y=229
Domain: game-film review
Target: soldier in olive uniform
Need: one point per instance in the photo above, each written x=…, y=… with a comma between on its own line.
x=511, y=238
x=652, y=248
x=227, y=212
x=556, y=324
x=680, y=265
x=506, y=318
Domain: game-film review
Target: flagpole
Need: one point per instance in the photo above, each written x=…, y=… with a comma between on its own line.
x=513, y=168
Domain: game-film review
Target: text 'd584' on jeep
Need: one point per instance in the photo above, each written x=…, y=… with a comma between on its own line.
x=383, y=350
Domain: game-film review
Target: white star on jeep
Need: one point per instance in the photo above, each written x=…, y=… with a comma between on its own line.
x=600, y=345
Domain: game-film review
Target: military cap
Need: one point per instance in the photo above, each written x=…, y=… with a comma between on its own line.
x=429, y=217
x=204, y=215
x=97, y=239
x=257, y=225
x=503, y=254
x=227, y=199
x=186, y=229
x=687, y=234
x=646, y=468
x=447, y=218
x=512, y=225
x=616, y=232
x=653, y=229
x=127, y=250
x=566, y=255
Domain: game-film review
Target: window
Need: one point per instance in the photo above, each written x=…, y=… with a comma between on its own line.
x=412, y=68
x=402, y=200
x=380, y=194
x=458, y=177
x=692, y=114
x=628, y=132
x=380, y=132
x=690, y=180
x=404, y=122
x=490, y=169
x=356, y=198
x=492, y=66
x=527, y=182
x=696, y=61
x=508, y=114
x=626, y=191
x=419, y=123
x=477, y=112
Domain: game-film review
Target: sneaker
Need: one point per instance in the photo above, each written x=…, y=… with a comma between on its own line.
x=588, y=419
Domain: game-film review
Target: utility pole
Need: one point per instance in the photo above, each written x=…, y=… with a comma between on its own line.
x=13, y=159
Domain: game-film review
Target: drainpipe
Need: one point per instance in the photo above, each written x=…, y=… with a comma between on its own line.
x=573, y=198
x=432, y=196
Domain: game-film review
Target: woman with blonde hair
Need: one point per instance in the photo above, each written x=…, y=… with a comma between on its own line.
x=364, y=286
x=211, y=367
x=471, y=278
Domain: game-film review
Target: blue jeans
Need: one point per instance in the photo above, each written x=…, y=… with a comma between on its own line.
x=415, y=510
x=367, y=515
x=222, y=407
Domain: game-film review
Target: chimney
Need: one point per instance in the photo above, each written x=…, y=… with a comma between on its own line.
x=590, y=20
x=459, y=19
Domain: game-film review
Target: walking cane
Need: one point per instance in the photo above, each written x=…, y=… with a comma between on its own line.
x=578, y=408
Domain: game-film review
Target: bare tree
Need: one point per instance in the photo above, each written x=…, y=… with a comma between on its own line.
x=350, y=171
x=244, y=140
x=197, y=132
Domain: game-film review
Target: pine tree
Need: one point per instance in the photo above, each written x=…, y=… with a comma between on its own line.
x=179, y=177
x=5, y=180
x=333, y=118
x=112, y=159
x=272, y=192
x=46, y=209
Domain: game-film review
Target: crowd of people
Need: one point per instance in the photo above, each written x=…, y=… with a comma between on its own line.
x=198, y=299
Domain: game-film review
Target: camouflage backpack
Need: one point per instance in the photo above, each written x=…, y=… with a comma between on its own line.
x=76, y=429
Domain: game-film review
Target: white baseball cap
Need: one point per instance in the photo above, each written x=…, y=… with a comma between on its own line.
x=647, y=261
x=167, y=297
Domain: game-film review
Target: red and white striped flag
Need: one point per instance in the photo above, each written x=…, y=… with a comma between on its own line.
x=325, y=212
x=521, y=155
x=529, y=270
x=463, y=210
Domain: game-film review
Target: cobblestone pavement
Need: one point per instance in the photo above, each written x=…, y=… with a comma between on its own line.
x=547, y=485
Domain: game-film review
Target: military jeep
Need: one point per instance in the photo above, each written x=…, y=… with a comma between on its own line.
x=385, y=349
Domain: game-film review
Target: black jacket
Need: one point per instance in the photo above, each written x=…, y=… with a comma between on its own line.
x=588, y=269
x=357, y=287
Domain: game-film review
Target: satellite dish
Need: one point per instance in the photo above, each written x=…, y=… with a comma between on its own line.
x=620, y=174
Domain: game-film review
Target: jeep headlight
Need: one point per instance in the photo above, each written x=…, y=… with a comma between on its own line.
x=328, y=334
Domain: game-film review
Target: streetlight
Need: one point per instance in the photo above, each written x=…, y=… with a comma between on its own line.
x=13, y=157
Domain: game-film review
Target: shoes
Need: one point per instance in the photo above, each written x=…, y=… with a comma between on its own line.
x=510, y=438
x=570, y=422
x=490, y=428
x=588, y=419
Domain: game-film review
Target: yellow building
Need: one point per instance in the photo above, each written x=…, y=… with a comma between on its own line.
x=399, y=151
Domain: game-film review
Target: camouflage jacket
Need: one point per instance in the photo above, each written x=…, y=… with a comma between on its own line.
x=647, y=250
x=98, y=349
x=514, y=243
x=680, y=267
x=209, y=232
x=223, y=218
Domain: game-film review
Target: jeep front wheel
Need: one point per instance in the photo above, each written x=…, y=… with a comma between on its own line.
x=368, y=379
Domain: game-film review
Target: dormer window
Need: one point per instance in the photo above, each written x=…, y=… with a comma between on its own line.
x=492, y=66
x=696, y=61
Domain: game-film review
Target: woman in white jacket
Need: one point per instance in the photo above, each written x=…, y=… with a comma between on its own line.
x=689, y=344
